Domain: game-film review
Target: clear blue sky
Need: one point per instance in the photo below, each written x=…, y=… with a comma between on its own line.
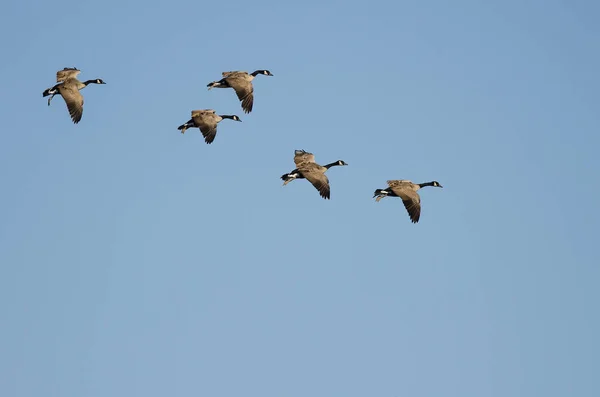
x=139, y=262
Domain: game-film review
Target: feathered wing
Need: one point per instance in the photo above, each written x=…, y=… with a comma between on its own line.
x=226, y=74
x=302, y=157
x=74, y=101
x=207, y=123
x=245, y=93
x=405, y=189
x=320, y=182
x=67, y=73
x=199, y=112
x=242, y=84
x=398, y=182
x=313, y=173
x=414, y=210
x=209, y=132
x=411, y=201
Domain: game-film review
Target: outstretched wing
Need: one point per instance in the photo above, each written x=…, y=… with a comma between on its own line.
x=404, y=189
x=225, y=74
x=74, y=101
x=206, y=121
x=302, y=157
x=398, y=182
x=67, y=73
x=318, y=179
x=411, y=200
x=245, y=93
x=209, y=132
x=413, y=207
x=196, y=113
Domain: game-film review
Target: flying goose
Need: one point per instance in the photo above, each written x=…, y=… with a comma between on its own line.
x=315, y=173
x=407, y=191
x=68, y=87
x=241, y=82
x=206, y=120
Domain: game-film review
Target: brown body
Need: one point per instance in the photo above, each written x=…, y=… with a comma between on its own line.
x=68, y=88
x=313, y=172
x=206, y=120
x=407, y=191
x=241, y=82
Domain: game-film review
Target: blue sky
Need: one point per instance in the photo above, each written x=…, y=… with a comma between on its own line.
x=139, y=262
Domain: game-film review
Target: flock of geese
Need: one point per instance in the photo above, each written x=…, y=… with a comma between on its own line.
x=206, y=120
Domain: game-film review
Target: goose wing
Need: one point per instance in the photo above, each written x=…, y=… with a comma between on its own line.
x=410, y=199
x=243, y=88
x=314, y=174
x=73, y=99
x=412, y=203
x=302, y=157
x=226, y=74
x=209, y=134
x=405, y=189
x=67, y=73
x=398, y=182
x=207, y=123
x=196, y=113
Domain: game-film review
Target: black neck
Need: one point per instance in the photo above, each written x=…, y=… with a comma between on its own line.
x=90, y=82
x=226, y=116
x=328, y=166
x=257, y=72
x=426, y=184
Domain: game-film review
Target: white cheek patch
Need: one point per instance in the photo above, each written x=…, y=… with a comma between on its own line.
x=384, y=192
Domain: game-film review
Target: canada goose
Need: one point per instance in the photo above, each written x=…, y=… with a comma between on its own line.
x=315, y=173
x=68, y=88
x=241, y=82
x=206, y=120
x=407, y=191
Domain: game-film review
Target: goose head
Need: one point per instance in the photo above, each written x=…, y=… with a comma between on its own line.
x=262, y=71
